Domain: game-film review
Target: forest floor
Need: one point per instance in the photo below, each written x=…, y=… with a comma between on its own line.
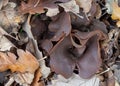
x=59, y=42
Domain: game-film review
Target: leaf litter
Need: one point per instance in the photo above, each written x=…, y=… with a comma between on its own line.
x=59, y=43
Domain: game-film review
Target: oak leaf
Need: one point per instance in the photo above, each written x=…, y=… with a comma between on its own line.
x=26, y=62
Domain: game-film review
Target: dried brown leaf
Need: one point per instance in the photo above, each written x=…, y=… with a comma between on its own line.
x=25, y=63
x=36, y=81
x=38, y=6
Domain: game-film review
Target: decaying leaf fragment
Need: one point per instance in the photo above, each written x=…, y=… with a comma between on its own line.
x=75, y=80
x=9, y=17
x=70, y=6
x=36, y=81
x=85, y=4
x=116, y=83
x=5, y=44
x=26, y=62
x=52, y=12
x=111, y=79
x=24, y=79
x=38, y=6
x=116, y=13
x=3, y=3
x=114, y=9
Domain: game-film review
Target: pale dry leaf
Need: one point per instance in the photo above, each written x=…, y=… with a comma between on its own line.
x=3, y=3
x=9, y=18
x=2, y=31
x=85, y=4
x=116, y=13
x=75, y=80
x=5, y=44
x=114, y=9
x=98, y=12
x=24, y=79
x=44, y=70
x=118, y=23
x=116, y=70
x=116, y=83
x=108, y=5
x=117, y=74
x=26, y=62
x=52, y=12
x=38, y=6
x=70, y=6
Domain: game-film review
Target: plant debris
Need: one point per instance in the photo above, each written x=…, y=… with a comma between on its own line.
x=59, y=42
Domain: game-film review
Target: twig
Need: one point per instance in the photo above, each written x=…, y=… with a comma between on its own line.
x=37, y=3
x=9, y=83
x=104, y=71
x=42, y=59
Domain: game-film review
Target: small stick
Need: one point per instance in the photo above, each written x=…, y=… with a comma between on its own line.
x=42, y=58
x=104, y=71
